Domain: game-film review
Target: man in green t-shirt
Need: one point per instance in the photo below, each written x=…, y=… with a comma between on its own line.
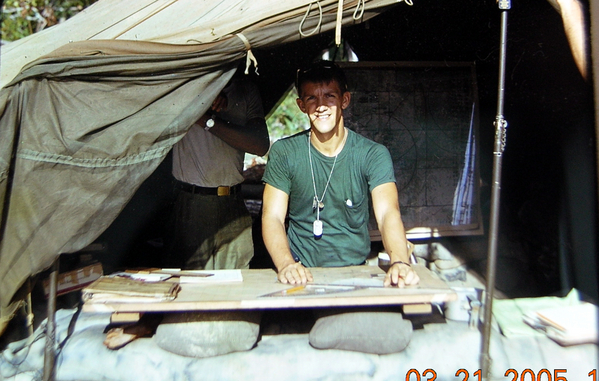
x=322, y=179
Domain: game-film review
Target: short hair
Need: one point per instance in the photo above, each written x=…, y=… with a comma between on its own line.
x=321, y=72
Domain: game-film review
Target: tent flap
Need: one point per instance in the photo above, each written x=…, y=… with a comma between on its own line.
x=86, y=144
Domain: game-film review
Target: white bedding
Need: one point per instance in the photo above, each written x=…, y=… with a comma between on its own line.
x=445, y=348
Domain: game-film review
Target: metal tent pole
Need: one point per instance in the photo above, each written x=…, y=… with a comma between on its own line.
x=50, y=348
x=500, y=140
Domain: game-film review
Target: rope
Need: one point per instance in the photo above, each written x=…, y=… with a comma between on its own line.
x=250, y=58
x=358, y=13
x=363, y=2
x=306, y=16
x=339, y=22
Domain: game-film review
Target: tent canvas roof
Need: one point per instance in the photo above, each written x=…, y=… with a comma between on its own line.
x=97, y=102
x=197, y=22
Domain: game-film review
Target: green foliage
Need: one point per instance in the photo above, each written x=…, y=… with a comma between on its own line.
x=284, y=120
x=22, y=18
x=287, y=119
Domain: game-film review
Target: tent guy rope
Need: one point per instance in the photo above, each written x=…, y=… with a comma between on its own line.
x=250, y=58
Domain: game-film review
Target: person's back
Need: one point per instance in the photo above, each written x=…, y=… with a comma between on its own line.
x=204, y=159
x=211, y=227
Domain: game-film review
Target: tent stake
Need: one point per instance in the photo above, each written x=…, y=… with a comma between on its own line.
x=500, y=140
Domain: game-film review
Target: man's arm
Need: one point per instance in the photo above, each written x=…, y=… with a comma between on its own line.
x=252, y=138
x=385, y=203
x=274, y=211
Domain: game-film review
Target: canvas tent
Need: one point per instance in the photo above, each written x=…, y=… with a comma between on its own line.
x=107, y=21
x=102, y=98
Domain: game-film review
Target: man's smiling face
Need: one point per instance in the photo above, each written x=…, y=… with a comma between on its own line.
x=324, y=104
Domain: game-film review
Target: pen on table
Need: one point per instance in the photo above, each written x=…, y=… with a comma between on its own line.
x=294, y=289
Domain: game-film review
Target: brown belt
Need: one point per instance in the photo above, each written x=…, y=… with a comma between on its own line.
x=218, y=191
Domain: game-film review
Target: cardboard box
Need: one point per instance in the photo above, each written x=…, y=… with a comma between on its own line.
x=75, y=279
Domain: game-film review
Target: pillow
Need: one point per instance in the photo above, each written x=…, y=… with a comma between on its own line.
x=205, y=334
x=369, y=332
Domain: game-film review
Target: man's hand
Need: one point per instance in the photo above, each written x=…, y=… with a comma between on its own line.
x=295, y=273
x=401, y=275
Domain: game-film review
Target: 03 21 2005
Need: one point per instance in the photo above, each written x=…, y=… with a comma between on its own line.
x=525, y=375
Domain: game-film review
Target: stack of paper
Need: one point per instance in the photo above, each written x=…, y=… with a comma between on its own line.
x=124, y=289
x=511, y=313
x=567, y=325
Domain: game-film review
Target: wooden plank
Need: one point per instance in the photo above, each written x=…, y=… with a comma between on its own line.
x=250, y=294
x=420, y=308
x=125, y=317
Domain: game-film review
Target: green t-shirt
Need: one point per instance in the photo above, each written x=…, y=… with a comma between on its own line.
x=361, y=166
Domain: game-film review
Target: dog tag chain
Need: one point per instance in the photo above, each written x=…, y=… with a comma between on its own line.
x=318, y=203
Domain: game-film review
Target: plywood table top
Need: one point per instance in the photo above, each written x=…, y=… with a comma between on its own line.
x=329, y=289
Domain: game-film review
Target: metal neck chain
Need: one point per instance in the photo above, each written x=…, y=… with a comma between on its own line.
x=318, y=204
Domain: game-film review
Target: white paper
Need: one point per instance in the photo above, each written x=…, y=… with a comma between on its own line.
x=361, y=282
x=567, y=324
x=210, y=276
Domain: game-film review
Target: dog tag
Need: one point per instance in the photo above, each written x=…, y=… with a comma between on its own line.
x=317, y=228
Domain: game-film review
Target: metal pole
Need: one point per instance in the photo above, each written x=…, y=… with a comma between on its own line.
x=50, y=349
x=500, y=139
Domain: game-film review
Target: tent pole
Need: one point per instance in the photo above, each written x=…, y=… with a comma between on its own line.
x=50, y=348
x=500, y=140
